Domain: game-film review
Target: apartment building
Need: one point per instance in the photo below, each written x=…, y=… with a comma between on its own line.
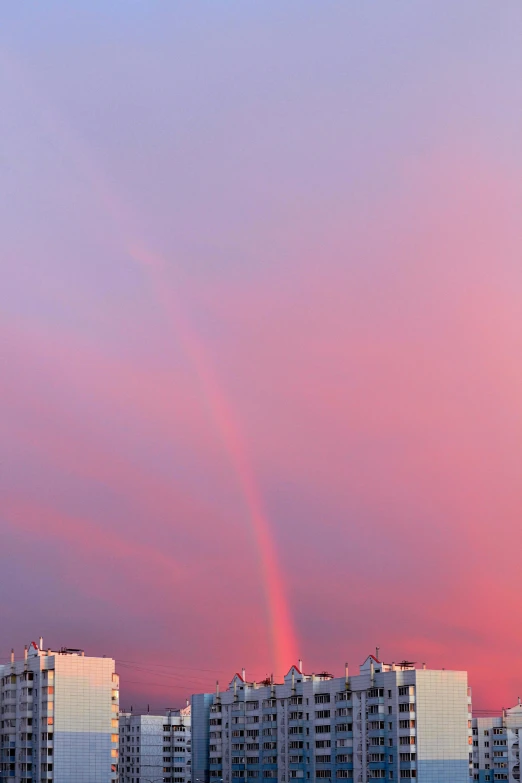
x=391, y=722
x=496, y=747
x=59, y=717
x=155, y=747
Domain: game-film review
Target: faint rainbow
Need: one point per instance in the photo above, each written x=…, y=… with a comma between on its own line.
x=282, y=634
x=283, y=640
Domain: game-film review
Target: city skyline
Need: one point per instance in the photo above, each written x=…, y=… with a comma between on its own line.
x=260, y=329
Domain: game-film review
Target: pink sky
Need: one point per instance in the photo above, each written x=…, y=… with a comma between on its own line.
x=261, y=339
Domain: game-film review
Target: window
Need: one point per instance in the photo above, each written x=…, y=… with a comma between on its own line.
x=323, y=743
x=406, y=707
x=342, y=727
x=345, y=773
x=408, y=773
x=323, y=759
x=323, y=773
x=296, y=700
x=295, y=716
x=343, y=758
x=375, y=693
x=323, y=729
x=322, y=714
x=322, y=698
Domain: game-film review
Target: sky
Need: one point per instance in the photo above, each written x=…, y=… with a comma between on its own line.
x=260, y=337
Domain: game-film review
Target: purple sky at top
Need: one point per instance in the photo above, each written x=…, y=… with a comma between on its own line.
x=266, y=242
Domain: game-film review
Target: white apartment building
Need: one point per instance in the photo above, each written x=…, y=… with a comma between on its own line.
x=496, y=747
x=59, y=717
x=155, y=748
x=391, y=722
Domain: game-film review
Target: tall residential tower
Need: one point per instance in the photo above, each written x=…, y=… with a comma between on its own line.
x=59, y=718
x=496, y=747
x=390, y=722
x=155, y=747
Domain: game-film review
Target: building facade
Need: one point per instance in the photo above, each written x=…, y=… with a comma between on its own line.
x=496, y=747
x=155, y=748
x=59, y=718
x=390, y=722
